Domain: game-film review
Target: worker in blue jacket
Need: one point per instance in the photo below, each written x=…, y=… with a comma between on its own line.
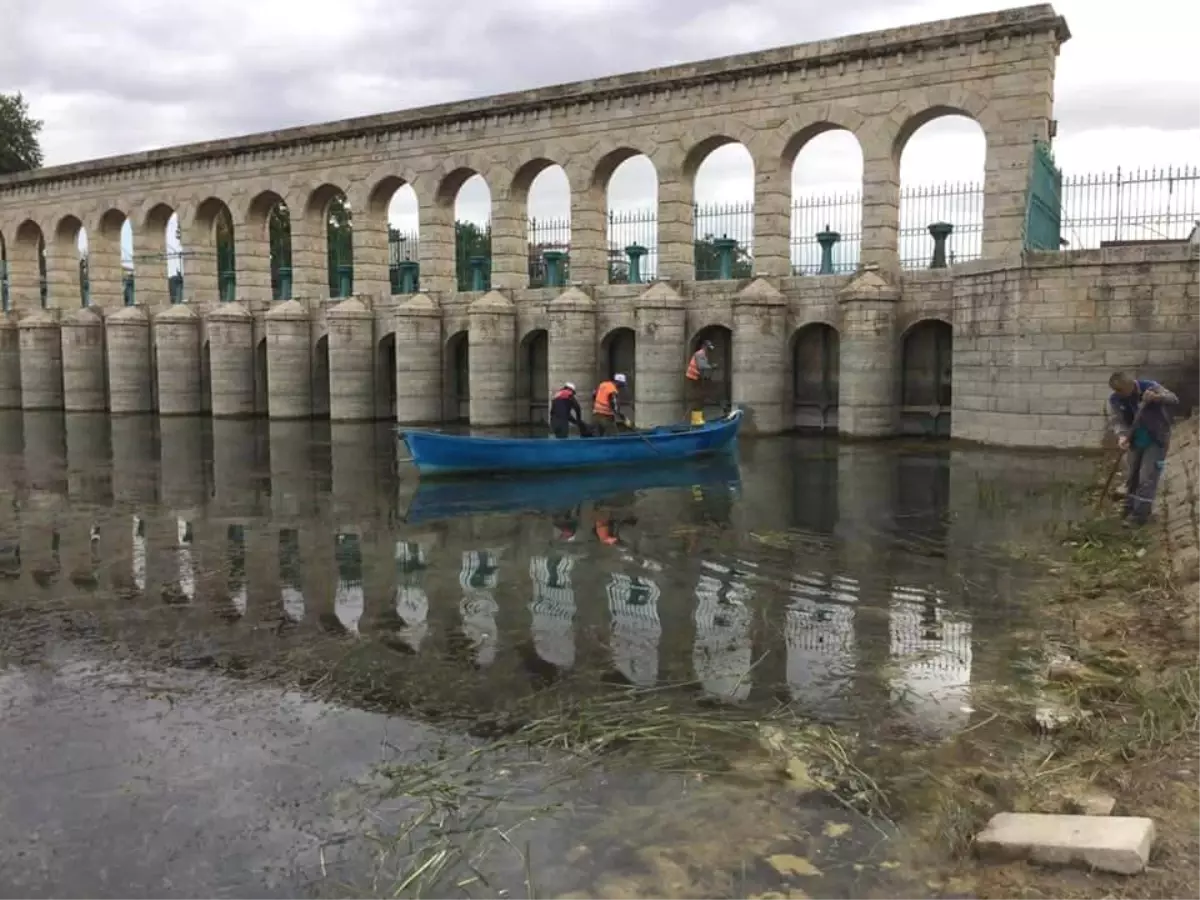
x=1140, y=414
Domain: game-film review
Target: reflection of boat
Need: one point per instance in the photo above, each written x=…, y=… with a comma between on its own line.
x=445, y=499
x=435, y=453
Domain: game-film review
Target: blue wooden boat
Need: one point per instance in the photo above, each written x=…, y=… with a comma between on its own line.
x=445, y=498
x=436, y=453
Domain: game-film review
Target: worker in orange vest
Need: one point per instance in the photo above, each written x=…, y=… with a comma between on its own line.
x=698, y=377
x=606, y=405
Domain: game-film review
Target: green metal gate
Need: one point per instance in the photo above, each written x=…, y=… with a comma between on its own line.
x=1043, y=205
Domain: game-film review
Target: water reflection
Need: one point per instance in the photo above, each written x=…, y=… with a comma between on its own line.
x=794, y=574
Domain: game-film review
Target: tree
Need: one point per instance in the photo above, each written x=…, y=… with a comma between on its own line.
x=708, y=260
x=340, y=236
x=20, y=147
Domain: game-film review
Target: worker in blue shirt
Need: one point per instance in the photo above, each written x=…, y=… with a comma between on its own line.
x=1140, y=414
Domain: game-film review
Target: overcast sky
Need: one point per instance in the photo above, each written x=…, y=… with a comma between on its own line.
x=115, y=76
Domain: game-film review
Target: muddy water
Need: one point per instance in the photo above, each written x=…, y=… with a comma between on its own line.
x=214, y=633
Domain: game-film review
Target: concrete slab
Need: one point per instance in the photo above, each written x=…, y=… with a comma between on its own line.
x=1109, y=843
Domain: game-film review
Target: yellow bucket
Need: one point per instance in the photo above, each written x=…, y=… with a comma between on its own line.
x=697, y=417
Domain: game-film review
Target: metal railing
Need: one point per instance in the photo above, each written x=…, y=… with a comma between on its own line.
x=1137, y=205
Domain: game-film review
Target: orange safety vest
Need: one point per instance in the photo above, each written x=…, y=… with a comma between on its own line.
x=693, y=369
x=604, y=533
x=602, y=405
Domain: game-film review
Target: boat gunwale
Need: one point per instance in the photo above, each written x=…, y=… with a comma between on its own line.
x=669, y=431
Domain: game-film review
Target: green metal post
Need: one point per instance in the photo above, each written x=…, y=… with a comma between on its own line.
x=478, y=266
x=410, y=276
x=228, y=287
x=44, y=292
x=127, y=289
x=940, y=231
x=635, y=252
x=345, y=275
x=4, y=285
x=85, y=293
x=175, y=287
x=285, y=283
x=725, y=247
x=827, y=239
x=554, y=267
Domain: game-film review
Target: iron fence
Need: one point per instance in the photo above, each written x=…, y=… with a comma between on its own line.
x=1138, y=205
x=716, y=225
x=636, y=229
x=548, y=236
x=830, y=214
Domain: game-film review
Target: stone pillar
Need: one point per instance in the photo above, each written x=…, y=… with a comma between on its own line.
x=351, y=362
x=676, y=227
x=253, y=261
x=827, y=239
x=10, y=362
x=201, y=281
x=867, y=405
x=418, y=361
x=437, y=247
x=759, y=347
x=572, y=341
x=105, y=275
x=1024, y=119
x=881, y=208
x=772, y=219
x=310, y=271
x=371, y=275
x=289, y=361
x=939, y=231
x=589, y=229
x=41, y=361
x=510, y=244
x=130, y=371
x=231, y=360
x=82, y=335
x=660, y=355
x=177, y=357
x=62, y=272
x=492, y=361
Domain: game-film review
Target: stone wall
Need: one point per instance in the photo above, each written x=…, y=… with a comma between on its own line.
x=1179, y=506
x=1034, y=343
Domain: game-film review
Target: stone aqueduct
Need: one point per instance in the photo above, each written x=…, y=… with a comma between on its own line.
x=436, y=355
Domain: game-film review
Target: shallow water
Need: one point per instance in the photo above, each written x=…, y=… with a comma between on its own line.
x=860, y=584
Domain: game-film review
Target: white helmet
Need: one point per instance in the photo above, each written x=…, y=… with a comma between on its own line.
x=619, y=378
x=570, y=387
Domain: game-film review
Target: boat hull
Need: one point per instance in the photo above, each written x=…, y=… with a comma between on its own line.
x=437, y=454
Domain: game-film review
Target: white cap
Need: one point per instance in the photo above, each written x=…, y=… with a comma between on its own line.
x=619, y=378
x=569, y=386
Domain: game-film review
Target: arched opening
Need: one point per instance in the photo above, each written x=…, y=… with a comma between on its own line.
x=942, y=155
x=815, y=362
x=268, y=215
x=128, y=281
x=926, y=372
x=162, y=225
x=457, y=378
x=467, y=193
x=215, y=225
x=261, y=403
x=618, y=352
x=723, y=191
x=533, y=378
x=71, y=240
x=395, y=200
x=630, y=184
x=547, y=193
x=387, y=360
x=173, y=241
x=826, y=163
x=329, y=209
x=718, y=391
x=205, y=378
x=29, y=249
x=106, y=261
x=320, y=377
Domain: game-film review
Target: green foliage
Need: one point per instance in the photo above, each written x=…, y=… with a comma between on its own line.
x=708, y=260
x=20, y=147
x=470, y=241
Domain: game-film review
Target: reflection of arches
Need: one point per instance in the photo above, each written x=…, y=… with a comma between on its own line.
x=320, y=377
x=205, y=378
x=533, y=377
x=925, y=381
x=720, y=392
x=457, y=378
x=618, y=354
x=815, y=369
x=261, y=402
x=387, y=356
x=269, y=219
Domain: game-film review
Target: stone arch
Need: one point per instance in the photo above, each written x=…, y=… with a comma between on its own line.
x=29, y=248
x=628, y=223
x=156, y=252
x=618, y=353
x=815, y=364
x=472, y=239
x=212, y=229
x=820, y=217
x=926, y=375
x=719, y=392
x=386, y=365
x=391, y=202
x=547, y=234
x=910, y=115
x=71, y=243
x=320, y=377
x=268, y=218
x=328, y=211
x=533, y=377
x=722, y=224
x=457, y=377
